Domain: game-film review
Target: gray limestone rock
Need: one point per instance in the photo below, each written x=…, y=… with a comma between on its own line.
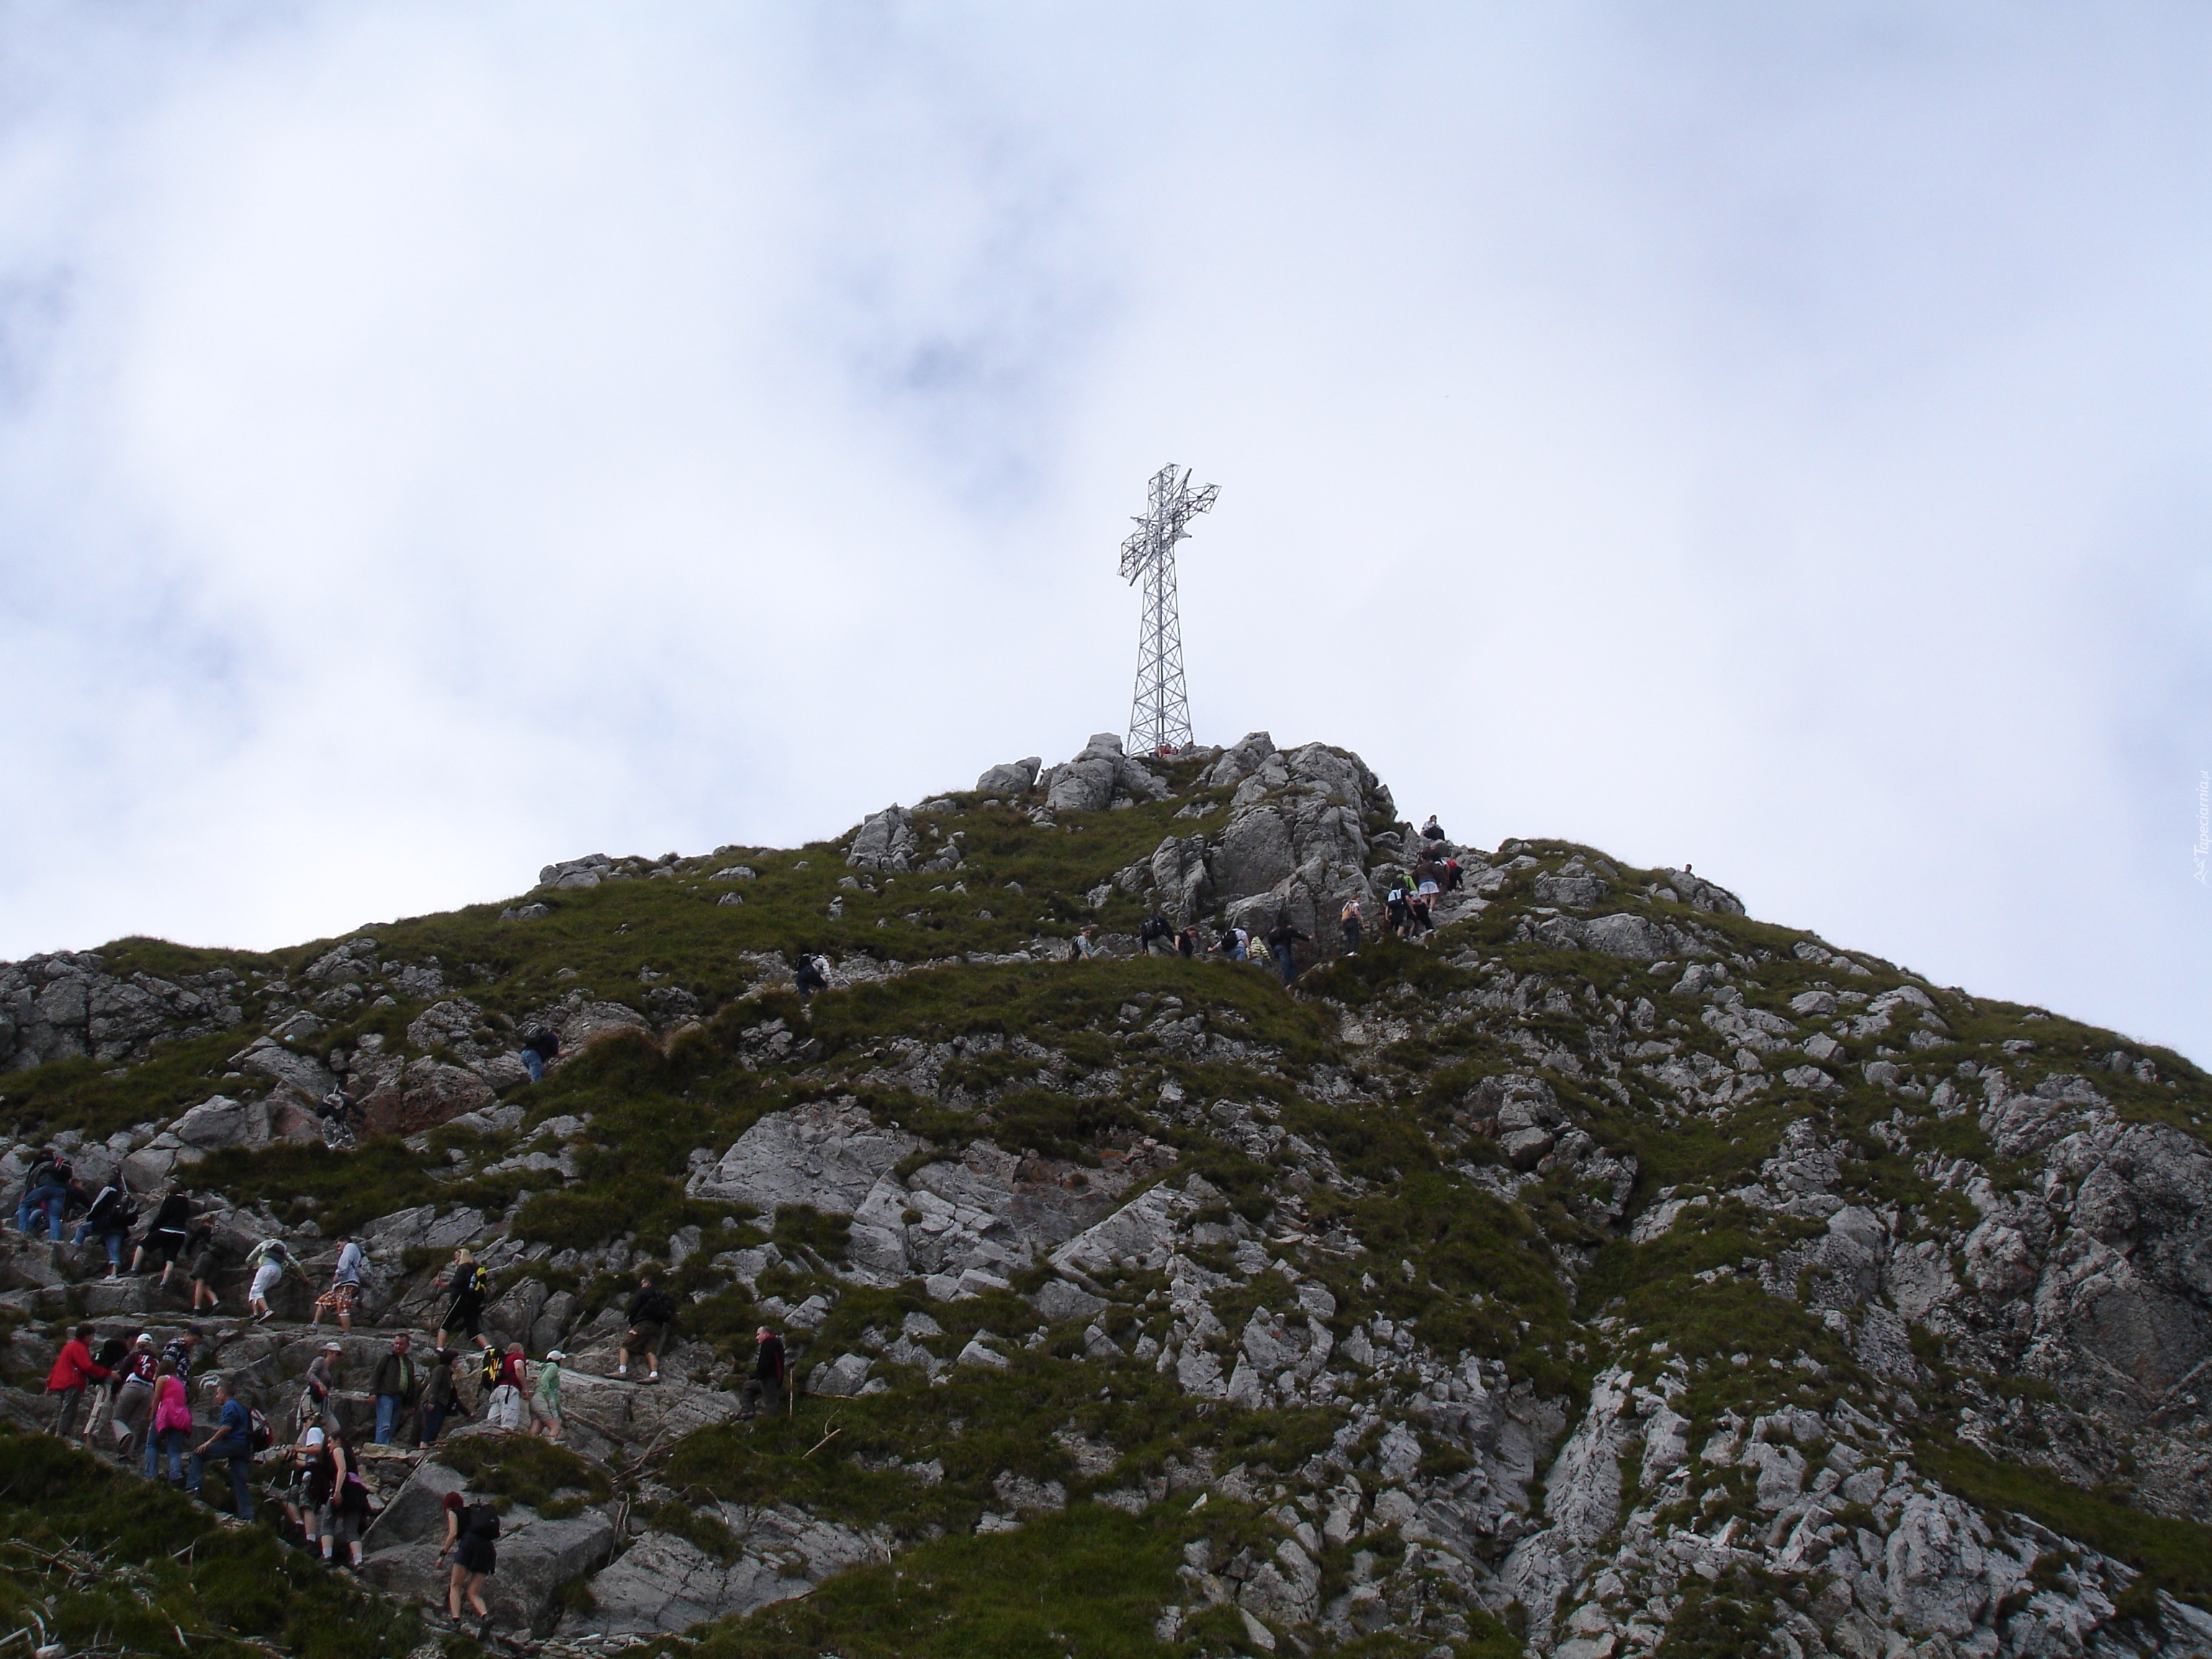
x=884, y=841
x=1014, y=778
x=825, y=1155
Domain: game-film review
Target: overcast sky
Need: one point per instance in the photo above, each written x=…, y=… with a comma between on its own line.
x=436, y=441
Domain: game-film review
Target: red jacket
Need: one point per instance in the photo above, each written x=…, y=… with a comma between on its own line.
x=75, y=1369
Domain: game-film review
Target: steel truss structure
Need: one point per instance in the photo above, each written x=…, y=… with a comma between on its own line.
x=1159, y=720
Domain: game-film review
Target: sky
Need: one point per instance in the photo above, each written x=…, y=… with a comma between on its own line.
x=437, y=441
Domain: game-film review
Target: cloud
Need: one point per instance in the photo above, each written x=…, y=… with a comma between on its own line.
x=432, y=443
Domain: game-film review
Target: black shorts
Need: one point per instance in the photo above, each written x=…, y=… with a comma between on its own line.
x=166, y=1245
x=466, y=1313
x=644, y=1337
x=477, y=1554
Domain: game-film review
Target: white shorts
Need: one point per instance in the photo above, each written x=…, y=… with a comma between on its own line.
x=1427, y=889
x=504, y=1409
x=264, y=1279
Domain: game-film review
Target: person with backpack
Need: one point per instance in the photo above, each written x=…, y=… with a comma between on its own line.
x=472, y=1539
x=1393, y=906
x=320, y=1384
x=1085, y=945
x=504, y=1407
x=109, y=1218
x=344, y=1293
x=270, y=1259
x=296, y=1494
x=1350, y=920
x=440, y=1398
x=233, y=1442
x=110, y=1356
x=1431, y=832
x=74, y=1371
x=166, y=1234
x=539, y=1046
x=172, y=1422
x=1187, y=943
x=468, y=1284
x=1156, y=934
x=765, y=1386
x=1234, y=944
x=134, y=1392
x=396, y=1384
x=651, y=1312
x=337, y=1500
x=1282, y=940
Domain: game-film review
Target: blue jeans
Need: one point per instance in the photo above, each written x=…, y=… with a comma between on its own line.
x=112, y=1238
x=48, y=1199
x=387, y=1417
x=1285, y=964
x=239, y=1455
x=534, y=1063
x=171, y=1440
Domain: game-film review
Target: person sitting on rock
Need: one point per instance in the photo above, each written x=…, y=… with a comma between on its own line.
x=166, y=1234
x=1085, y=946
x=650, y=1313
x=46, y=1190
x=109, y=1218
x=1432, y=831
x=467, y=1281
x=765, y=1385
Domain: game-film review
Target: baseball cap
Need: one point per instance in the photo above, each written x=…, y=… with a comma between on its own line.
x=556, y=1354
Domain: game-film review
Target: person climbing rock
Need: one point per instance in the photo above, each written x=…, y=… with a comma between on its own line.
x=344, y=1293
x=441, y=1397
x=74, y=1371
x=134, y=1393
x=467, y=1282
x=650, y=1313
x=172, y=1422
x=109, y=1218
x=1086, y=947
x=1283, y=939
x=764, y=1388
x=1188, y=943
x=45, y=1192
x=1432, y=831
x=504, y=1406
x=320, y=1384
x=398, y=1385
x=539, y=1046
x=270, y=1259
x=545, y=1397
x=232, y=1443
x=166, y=1234
x=1349, y=920
x=809, y=972
x=472, y=1539
x=211, y=1254
x=1156, y=935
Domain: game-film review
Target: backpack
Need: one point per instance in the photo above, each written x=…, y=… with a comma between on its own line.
x=111, y=1354
x=489, y=1367
x=660, y=1308
x=469, y=1281
x=353, y=1494
x=258, y=1434
x=542, y=1041
x=483, y=1521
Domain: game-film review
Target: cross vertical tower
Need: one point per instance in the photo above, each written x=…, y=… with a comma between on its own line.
x=1160, y=719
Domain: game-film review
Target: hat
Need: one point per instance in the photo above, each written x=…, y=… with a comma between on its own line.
x=334, y=1346
x=143, y=1340
x=557, y=1356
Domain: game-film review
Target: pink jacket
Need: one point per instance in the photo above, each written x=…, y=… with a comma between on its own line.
x=172, y=1407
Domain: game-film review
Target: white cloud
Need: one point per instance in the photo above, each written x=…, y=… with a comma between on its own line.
x=433, y=442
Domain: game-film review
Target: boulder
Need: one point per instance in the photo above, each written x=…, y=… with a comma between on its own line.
x=278, y=1064
x=537, y=1560
x=839, y=1378
x=884, y=841
x=220, y=1121
x=1014, y=778
x=826, y=1155
x=1085, y=784
x=665, y=1583
x=1633, y=937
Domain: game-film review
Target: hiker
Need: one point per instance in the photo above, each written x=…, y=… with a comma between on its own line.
x=396, y=1385
x=1393, y=906
x=46, y=1190
x=109, y=1218
x=1349, y=920
x=440, y=1399
x=1086, y=949
x=73, y=1370
x=1418, y=920
x=166, y=1234
x=320, y=1383
x=109, y=1356
x=1187, y=943
x=134, y=1392
x=651, y=1313
x=172, y=1421
x=233, y=1441
x=472, y=1539
x=1156, y=935
x=1431, y=832
x=809, y=973
x=212, y=1257
x=504, y=1405
x=344, y=1293
x=545, y=1398
x=468, y=1282
x=295, y=1494
x=765, y=1386
x=345, y=1517
x=182, y=1349
x=539, y=1046
x=1282, y=939
x=270, y=1259
x=1235, y=944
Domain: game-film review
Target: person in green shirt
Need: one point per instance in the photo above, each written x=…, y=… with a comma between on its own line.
x=545, y=1396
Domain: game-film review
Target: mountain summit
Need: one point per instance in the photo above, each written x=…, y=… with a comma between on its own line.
x=1582, y=1268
